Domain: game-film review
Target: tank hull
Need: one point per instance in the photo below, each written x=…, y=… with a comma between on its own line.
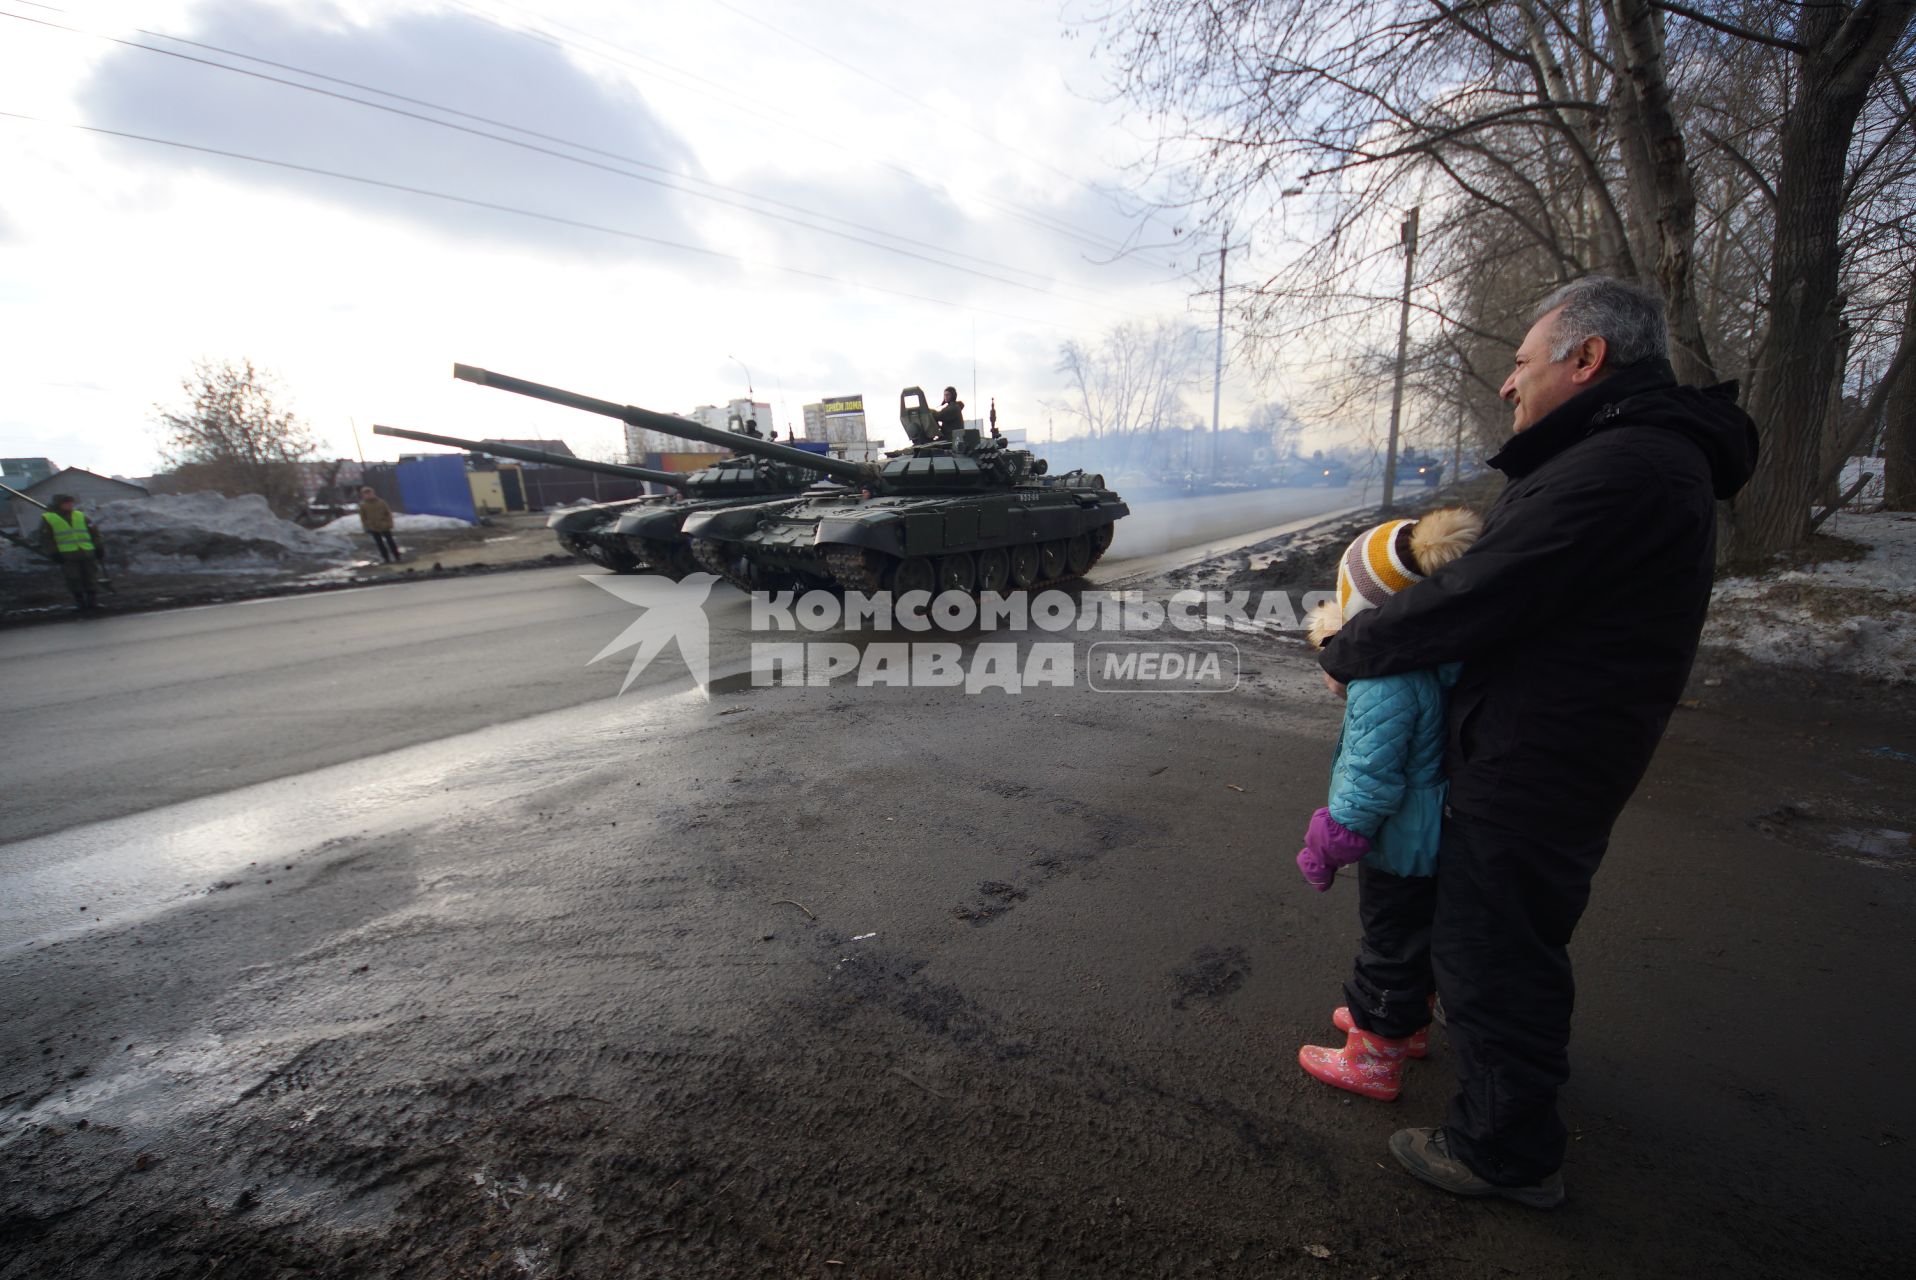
x=1004, y=539
x=654, y=537
x=591, y=533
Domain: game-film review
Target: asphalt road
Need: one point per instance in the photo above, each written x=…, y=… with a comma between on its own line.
x=131, y=713
x=909, y=982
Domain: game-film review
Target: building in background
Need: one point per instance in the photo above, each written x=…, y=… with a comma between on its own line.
x=839, y=422
x=21, y=474
x=643, y=441
x=88, y=489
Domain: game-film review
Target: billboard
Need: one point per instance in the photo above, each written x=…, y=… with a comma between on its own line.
x=844, y=404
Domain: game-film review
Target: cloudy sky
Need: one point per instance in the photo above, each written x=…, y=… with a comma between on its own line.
x=636, y=199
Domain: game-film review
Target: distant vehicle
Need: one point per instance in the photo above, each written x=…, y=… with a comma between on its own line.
x=1318, y=469
x=1413, y=466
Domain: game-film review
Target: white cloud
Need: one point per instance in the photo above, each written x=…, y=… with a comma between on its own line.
x=121, y=263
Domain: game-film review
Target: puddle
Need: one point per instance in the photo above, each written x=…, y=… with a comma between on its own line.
x=1880, y=842
x=1873, y=846
x=74, y=880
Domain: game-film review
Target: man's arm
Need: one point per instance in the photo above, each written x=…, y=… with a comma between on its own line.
x=1535, y=560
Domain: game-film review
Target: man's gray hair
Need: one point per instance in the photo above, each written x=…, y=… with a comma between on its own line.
x=1627, y=316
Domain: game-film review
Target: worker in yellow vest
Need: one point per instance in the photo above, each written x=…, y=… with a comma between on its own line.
x=72, y=542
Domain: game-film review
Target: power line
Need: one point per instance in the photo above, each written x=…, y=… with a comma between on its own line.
x=728, y=95
x=476, y=203
x=563, y=141
x=559, y=155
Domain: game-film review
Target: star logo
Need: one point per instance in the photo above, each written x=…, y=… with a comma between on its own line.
x=673, y=611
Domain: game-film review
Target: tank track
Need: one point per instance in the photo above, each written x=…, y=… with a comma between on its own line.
x=851, y=571
x=711, y=558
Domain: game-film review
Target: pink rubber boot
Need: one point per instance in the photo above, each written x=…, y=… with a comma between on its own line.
x=1367, y=1064
x=1419, y=1040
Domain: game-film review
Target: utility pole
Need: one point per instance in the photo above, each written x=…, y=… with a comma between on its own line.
x=1217, y=373
x=1407, y=236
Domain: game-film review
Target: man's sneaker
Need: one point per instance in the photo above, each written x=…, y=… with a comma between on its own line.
x=1426, y=1153
x=1419, y=1040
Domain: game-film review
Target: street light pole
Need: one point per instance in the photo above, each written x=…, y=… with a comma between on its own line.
x=1407, y=235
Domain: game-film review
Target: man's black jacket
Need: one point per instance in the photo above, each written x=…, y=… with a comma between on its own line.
x=1576, y=615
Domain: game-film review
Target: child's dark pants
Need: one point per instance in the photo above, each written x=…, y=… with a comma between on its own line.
x=1390, y=984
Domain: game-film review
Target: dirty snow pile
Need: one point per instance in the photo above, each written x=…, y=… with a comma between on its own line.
x=1853, y=616
x=206, y=532
x=348, y=525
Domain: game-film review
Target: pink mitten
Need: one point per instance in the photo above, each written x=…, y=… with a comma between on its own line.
x=1328, y=845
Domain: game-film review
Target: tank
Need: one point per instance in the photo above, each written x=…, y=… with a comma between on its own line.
x=1414, y=467
x=643, y=535
x=968, y=513
x=1318, y=469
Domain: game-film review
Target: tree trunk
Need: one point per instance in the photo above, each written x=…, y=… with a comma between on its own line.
x=1899, y=427
x=1789, y=393
x=1660, y=180
x=1834, y=448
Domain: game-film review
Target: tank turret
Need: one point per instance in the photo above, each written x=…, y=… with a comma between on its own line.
x=965, y=513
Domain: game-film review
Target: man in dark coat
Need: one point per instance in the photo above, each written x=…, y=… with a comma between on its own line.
x=1576, y=616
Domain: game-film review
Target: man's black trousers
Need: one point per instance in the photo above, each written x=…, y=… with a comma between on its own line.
x=1506, y=905
x=388, y=549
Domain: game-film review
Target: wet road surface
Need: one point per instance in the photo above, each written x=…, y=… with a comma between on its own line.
x=151, y=709
x=905, y=982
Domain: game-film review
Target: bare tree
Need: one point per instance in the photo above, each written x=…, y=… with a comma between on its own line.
x=1744, y=155
x=232, y=436
x=1134, y=380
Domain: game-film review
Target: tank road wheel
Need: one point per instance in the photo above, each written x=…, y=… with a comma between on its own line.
x=994, y=570
x=957, y=572
x=1051, y=560
x=682, y=560
x=915, y=574
x=1077, y=554
x=1101, y=537
x=1023, y=563
x=712, y=557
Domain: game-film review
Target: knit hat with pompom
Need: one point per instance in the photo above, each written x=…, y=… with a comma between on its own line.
x=1382, y=561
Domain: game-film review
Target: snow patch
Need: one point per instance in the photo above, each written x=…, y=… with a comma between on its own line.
x=348, y=525
x=1872, y=493
x=1853, y=616
x=200, y=532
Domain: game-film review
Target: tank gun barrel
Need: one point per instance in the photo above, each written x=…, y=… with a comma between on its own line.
x=23, y=497
x=684, y=428
x=521, y=454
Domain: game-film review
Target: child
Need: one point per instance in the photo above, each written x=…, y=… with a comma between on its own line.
x=1386, y=805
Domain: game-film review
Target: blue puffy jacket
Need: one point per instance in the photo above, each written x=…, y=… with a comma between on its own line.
x=1387, y=782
